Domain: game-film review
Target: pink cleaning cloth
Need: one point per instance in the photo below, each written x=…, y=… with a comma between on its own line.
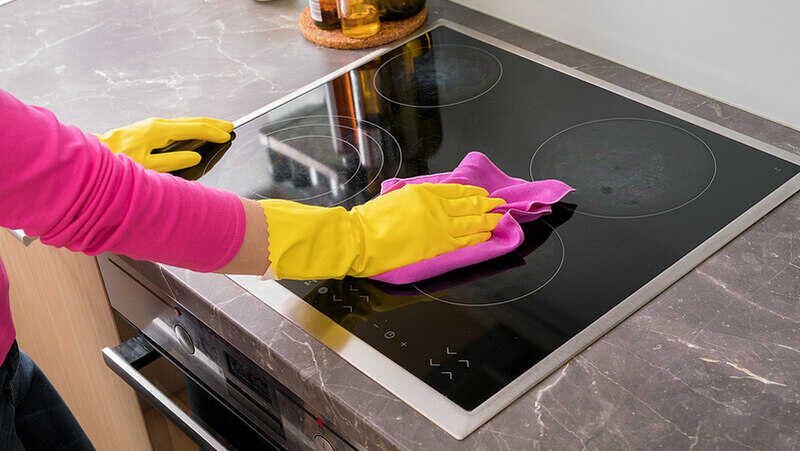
x=525, y=202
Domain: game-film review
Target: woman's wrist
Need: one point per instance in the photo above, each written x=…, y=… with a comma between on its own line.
x=253, y=256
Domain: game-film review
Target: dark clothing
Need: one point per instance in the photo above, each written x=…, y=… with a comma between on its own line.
x=33, y=416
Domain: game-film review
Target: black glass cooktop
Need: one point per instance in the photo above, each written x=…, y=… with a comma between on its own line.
x=650, y=188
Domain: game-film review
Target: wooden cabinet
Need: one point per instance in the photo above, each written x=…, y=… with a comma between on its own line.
x=63, y=320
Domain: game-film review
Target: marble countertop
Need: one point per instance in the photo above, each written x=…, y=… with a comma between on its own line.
x=712, y=363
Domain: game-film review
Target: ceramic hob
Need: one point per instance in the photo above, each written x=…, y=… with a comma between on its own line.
x=657, y=191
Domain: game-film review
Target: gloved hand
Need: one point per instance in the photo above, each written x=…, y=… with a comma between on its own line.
x=140, y=139
x=405, y=226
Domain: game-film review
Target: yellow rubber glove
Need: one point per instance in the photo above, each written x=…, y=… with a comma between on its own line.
x=140, y=139
x=411, y=224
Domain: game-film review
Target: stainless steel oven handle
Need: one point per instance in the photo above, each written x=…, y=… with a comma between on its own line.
x=185, y=422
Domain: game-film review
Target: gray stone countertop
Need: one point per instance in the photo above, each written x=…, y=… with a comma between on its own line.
x=712, y=363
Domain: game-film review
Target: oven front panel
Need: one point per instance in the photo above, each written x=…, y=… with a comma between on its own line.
x=225, y=373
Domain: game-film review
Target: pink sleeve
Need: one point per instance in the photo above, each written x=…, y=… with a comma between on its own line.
x=65, y=187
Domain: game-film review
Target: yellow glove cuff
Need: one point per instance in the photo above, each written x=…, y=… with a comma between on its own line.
x=307, y=242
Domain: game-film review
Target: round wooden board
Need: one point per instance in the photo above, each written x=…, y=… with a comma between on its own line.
x=390, y=31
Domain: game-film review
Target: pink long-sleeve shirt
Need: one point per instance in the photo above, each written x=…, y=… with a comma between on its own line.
x=65, y=187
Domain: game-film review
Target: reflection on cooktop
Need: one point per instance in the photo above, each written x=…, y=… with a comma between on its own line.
x=442, y=75
x=627, y=167
x=308, y=168
x=317, y=160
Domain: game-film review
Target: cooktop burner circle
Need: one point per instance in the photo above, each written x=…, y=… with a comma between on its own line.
x=626, y=168
x=437, y=76
x=509, y=278
x=317, y=160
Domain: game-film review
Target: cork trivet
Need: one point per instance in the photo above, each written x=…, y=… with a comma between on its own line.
x=390, y=31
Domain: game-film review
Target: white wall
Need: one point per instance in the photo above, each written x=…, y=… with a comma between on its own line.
x=745, y=53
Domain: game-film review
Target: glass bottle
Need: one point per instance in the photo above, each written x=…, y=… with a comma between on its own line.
x=401, y=9
x=324, y=13
x=359, y=18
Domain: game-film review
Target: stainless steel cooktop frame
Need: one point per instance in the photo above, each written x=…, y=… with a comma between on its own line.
x=441, y=411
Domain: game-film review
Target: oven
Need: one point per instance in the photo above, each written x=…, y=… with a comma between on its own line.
x=227, y=383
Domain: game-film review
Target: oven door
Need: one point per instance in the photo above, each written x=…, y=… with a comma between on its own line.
x=131, y=356
x=234, y=404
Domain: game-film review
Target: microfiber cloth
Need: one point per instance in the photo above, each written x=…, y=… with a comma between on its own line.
x=525, y=201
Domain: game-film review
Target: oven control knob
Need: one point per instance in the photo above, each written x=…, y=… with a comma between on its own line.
x=184, y=339
x=322, y=444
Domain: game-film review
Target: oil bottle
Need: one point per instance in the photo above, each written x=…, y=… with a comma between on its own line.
x=401, y=9
x=360, y=18
x=324, y=13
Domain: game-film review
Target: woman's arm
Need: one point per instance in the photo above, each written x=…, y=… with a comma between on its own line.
x=253, y=256
x=65, y=187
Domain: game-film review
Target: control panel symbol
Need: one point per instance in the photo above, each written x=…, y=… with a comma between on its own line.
x=349, y=308
x=403, y=344
x=430, y=363
x=365, y=298
x=322, y=290
x=449, y=352
x=465, y=362
x=352, y=288
x=335, y=299
x=390, y=334
x=448, y=373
